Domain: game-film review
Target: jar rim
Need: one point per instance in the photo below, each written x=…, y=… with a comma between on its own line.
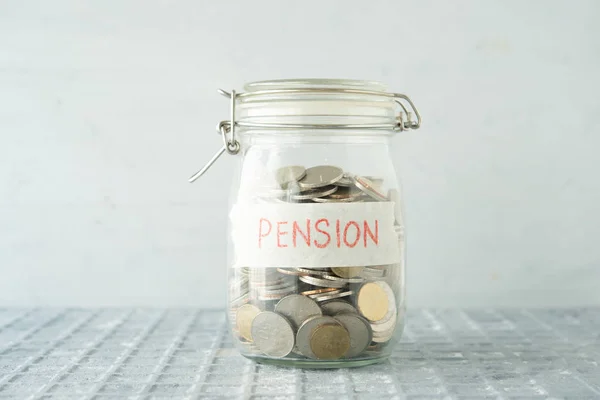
x=316, y=83
x=341, y=101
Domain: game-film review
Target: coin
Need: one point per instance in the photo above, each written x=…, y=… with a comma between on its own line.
x=272, y=334
x=332, y=200
x=297, y=308
x=290, y=271
x=346, y=193
x=376, y=180
x=331, y=296
x=312, y=193
x=383, y=337
x=243, y=320
x=346, y=280
x=286, y=175
x=347, y=272
x=369, y=188
x=276, y=294
x=359, y=330
x=384, y=325
x=306, y=330
x=318, y=291
x=346, y=180
x=273, y=294
x=313, y=271
x=319, y=176
x=374, y=300
x=334, y=307
x=330, y=342
x=321, y=282
x=316, y=295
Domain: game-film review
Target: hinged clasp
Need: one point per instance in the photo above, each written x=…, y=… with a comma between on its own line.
x=227, y=130
x=409, y=123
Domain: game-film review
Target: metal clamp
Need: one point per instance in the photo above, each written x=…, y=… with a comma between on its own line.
x=231, y=145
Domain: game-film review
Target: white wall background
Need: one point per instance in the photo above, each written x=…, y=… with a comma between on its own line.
x=106, y=107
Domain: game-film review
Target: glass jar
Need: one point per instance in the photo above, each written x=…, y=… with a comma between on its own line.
x=317, y=245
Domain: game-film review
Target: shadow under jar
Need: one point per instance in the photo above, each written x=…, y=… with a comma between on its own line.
x=316, y=238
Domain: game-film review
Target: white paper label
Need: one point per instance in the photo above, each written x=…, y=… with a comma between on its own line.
x=314, y=235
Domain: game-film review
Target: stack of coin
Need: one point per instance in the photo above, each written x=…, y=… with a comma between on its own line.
x=318, y=313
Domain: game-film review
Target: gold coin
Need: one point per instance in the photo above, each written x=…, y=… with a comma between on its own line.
x=243, y=320
x=330, y=342
x=347, y=272
x=373, y=301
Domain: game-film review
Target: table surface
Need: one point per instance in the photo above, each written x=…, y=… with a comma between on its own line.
x=187, y=353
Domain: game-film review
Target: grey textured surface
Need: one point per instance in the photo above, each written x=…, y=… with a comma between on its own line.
x=152, y=354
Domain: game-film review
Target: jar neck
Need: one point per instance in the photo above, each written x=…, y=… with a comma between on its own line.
x=316, y=136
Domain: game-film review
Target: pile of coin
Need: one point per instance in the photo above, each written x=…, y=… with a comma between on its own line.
x=325, y=313
x=317, y=313
x=319, y=184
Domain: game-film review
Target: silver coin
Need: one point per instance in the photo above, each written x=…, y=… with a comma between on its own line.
x=321, y=282
x=346, y=280
x=319, y=176
x=346, y=192
x=313, y=271
x=331, y=296
x=382, y=337
x=391, y=326
x=313, y=193
x=316, y=295
x=375, y=179
x=330, y=200
x=272, y=334
x=382, y=327
x=345, y=181
x=291, y=174
x=334, y=307
x=307, y=329
x=273, y=297
x=290, y=271
x=297, y=308
x=369, y=188
x=359, y=330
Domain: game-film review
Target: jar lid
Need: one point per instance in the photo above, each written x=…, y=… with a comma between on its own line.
x=316, y=102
